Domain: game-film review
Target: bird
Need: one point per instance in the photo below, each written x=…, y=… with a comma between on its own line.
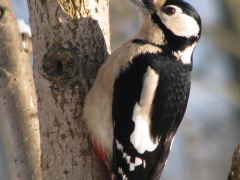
x=141, y=91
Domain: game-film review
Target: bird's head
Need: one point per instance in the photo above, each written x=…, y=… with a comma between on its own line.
x=175, y=18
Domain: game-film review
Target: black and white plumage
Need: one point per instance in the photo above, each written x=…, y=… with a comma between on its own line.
x=141, y=92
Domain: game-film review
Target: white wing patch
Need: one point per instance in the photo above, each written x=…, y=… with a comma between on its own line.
x=124, y=176
x=119, y=146
x=144, y=164
x=131, y=167
x=140, y=137
x=138, y=161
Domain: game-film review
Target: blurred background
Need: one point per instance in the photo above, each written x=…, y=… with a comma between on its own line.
x=208, y=135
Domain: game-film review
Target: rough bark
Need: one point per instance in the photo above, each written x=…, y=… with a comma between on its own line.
x=18, y=95
x=71, y=41
x=230, y=41
x=235, y=168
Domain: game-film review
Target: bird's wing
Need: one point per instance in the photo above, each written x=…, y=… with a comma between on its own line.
x=146, y=115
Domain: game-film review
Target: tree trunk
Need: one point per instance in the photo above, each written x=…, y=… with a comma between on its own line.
x=18, y=95
x=234, y=173
x=71, y=41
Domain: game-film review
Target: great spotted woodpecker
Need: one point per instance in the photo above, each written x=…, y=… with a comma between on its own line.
x=141, y=91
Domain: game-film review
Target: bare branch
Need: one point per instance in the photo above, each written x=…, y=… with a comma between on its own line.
x=18, y=95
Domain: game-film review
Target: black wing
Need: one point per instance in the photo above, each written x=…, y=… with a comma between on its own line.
x=131, y=161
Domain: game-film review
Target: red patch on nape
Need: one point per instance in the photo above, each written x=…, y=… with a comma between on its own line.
x=99, y=151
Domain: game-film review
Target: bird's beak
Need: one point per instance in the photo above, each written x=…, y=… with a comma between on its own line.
x=138, y=3
x=150, y=5
x=158, y=3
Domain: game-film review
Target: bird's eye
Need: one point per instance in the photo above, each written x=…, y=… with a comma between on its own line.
x=169, y=10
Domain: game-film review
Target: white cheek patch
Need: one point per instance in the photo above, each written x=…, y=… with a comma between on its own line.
x=180, y=24
x=185, y=55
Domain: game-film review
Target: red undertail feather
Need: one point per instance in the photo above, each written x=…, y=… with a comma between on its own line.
x=98, y=150
x=100, y=153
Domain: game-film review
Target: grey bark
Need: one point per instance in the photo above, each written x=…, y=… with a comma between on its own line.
x=227, y=37
x=71, y=41
x=234, y=173
x=18, y=95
